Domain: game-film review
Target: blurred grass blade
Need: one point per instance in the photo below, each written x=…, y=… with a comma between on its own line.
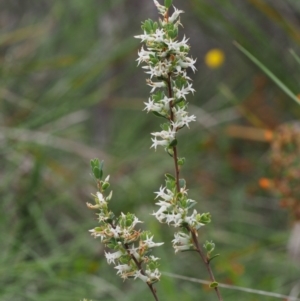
x=278, y=82
x=295, y=56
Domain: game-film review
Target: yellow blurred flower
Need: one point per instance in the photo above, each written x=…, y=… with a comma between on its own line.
x=214, y=58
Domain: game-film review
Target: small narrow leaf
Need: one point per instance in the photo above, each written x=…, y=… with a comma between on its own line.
x=173, y=143
x=97, y=173
x=168, y=3
x=182, y=183
x=213, y=257
x=214, y=284
x=158, y=115
x=170, y=177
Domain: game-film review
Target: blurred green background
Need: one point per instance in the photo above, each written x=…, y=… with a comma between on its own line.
x=70, y=91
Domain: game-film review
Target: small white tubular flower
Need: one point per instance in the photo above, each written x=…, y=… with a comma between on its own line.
x=192, y=220
x=153, y=275
x=150, y=244
x=162, y=9
x=160, y=214
x=159, y=35
x=152, y=106
x=144, y=56
x=175, y=15
x=175, y=219
x=111, y=257
x=181, y=93
x=138, y=274
x=161, y=69
x=123, y=270
x=156, y=85
x=166, y=196
x=144, y=37
x=134, y=251
x=114, y=232
x=182, y=241
x=156, y=143
x=181, y=118
x=168, y=135
x=101, y=198
x=188, y=63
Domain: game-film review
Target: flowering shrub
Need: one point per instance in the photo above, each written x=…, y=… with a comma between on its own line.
x=131, y=247
x=165, y=60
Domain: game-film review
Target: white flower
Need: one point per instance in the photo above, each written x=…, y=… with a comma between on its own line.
x=144, y=56
x=144, y=37
x=166, y=196
x=186, y=64
x=182, y=241
x=152, y=106
x=153, y=276
x=150, y=244
x=101, y=198
x=181, y=118
x=134, y=251
x=192, y=220
x=156, y=85
x=162, y=9
x=174, y=218
x=138, y=274
x=111, y=257
x=160, y=214
x=168, y=135
x=183, y=91
x=159, y=35
x=158, y=142
x=175, y=15
x=123, y=270
x=115, y=232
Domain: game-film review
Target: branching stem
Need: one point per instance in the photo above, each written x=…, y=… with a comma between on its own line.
x=139, y=266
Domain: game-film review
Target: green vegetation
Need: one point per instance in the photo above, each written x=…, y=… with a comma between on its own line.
x=70, y=91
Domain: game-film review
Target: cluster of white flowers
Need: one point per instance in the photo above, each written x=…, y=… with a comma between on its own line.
x=174, y=210
x=131, y=247
x=166, y=62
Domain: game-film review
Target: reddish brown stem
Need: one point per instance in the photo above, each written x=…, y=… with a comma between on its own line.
x=205, y=260
x=139, y=266
x=194, y=235
x=175, y=156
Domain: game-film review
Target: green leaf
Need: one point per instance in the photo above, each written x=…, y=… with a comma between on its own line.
x=165, y=126
x=181, y=161
x=94, y=163
x=182, y=183
x=269, y=73
x=105, y=185
x=213, y=257
x=168, y=3
x=97, y=173
x=170, y=177
x=101, y=165
x=173, y=143
x=214, y=284
x=158, y=115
